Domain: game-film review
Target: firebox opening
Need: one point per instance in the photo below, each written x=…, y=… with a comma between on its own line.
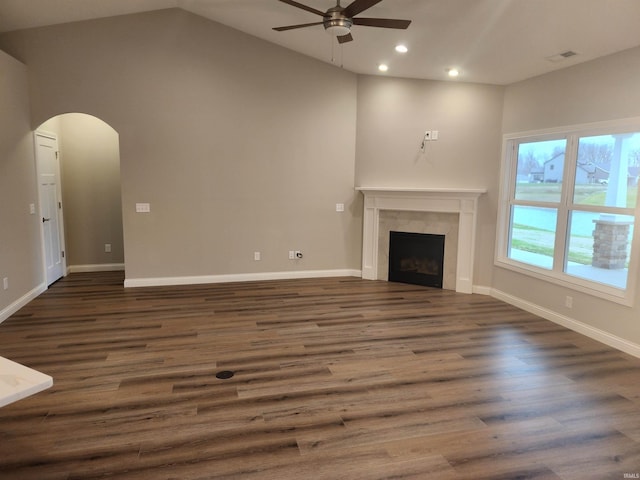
x=416, y=258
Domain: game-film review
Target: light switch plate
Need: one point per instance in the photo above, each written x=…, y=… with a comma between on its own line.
x=143, y=207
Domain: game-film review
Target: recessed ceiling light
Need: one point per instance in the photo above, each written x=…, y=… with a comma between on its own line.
x=401, y=49
x=453, y=72
x=383, y=67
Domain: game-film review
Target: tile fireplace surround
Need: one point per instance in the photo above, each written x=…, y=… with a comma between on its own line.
x=463, y=202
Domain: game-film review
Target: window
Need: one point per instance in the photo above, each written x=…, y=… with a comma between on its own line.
x=568, y=207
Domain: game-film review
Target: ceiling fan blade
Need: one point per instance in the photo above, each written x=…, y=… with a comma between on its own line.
x=303, y=7
x=358, y=6
x=293, y=27
x=345, y=38
x=382, y=22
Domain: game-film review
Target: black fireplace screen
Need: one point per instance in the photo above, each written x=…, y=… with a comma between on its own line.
x=416, y=258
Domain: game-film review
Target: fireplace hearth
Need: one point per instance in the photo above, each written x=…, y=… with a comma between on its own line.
x=416, y=258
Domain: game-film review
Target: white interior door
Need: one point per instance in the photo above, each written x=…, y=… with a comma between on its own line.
x=50, y=205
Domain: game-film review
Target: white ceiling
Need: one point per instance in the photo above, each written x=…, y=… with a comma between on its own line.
x=490, y=41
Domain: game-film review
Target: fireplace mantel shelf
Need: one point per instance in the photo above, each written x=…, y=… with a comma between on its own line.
x=463, y=201
x=449, y=191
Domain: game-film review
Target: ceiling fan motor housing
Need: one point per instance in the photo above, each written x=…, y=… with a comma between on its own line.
x=336, y=23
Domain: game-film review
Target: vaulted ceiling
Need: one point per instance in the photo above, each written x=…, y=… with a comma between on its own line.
x=489, y=41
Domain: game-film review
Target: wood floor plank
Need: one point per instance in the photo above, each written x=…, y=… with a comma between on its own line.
x=333, y=378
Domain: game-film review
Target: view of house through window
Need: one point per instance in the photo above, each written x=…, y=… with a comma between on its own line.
x=572, y=205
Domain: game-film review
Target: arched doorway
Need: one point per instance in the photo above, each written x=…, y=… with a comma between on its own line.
x=89, y=161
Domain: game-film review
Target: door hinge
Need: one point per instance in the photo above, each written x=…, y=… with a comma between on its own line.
x=59, y=205
x=57, y=155
x=62, y=253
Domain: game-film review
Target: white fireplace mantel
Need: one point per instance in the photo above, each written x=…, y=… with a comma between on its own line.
x=462, y=201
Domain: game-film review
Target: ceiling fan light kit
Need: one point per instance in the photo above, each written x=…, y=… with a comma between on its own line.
x=338, y=20
x=338, y=27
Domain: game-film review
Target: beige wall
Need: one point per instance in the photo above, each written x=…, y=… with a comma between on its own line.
x=90, y=166
x=20, y=252
x=248, y=148
x=237, y=144
x=393, y=115
x=604, y=89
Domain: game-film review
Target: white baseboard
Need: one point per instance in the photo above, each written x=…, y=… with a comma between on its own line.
x=570, y=323
x=240, y=277
x=21, y=302
x=481, y=290
x=98, y=267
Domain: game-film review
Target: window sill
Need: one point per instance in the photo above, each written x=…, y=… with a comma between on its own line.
x=603, y=291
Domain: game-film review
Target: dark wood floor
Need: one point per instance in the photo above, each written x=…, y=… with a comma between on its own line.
x=334, y=379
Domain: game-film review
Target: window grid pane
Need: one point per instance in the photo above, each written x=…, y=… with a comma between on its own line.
x=540, y=170
x=606, y=171
x=599, y=247
x=532, y=235
x=590, y=183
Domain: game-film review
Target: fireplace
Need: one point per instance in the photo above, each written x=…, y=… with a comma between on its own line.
x=462, y=202
x=416, y=258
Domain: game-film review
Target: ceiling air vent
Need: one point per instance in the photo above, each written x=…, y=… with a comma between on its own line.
x=561, y=56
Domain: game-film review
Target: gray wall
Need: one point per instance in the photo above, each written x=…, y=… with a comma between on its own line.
x=20, y=250
x=393, y=115
x=249, y=148
x=604, y=89
x=237, y=144
x=90, y=168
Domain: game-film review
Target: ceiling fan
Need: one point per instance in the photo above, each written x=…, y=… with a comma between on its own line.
x=339, y=20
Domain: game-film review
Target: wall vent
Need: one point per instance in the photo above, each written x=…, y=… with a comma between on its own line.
x=562, y=56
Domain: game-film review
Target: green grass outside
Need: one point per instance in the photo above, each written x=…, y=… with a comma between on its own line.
x=529, y=228
x=524, y=236
x=598, y=198
x=536, y=240
x=521, y=226
x=591, y=194
x=577, y=257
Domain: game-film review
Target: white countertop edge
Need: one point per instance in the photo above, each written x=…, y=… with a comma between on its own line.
x=18, y=382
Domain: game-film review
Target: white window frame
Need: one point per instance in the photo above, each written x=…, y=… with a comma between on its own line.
x=507, y=199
